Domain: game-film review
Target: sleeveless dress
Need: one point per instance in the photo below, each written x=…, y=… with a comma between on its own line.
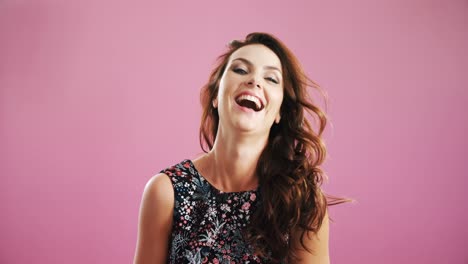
x=208, y=223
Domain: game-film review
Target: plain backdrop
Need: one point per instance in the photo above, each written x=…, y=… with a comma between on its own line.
x=98, y=96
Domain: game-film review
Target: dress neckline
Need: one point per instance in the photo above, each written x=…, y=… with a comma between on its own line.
x=212, y=186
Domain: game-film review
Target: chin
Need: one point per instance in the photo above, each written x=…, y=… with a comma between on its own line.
x=246, y=128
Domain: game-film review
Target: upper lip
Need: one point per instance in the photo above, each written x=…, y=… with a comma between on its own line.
x=262, y=102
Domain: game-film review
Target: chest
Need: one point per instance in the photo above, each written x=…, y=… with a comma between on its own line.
x=208, y=226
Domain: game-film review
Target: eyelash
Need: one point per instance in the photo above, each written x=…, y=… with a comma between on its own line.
x=272, y=80
x=241, y=71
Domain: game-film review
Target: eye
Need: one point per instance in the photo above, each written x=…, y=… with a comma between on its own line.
x=271, y=79
x=239, y=71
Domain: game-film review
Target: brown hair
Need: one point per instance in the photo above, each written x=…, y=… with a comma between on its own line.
x=289, y=167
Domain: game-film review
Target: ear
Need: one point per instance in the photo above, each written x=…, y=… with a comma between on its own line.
x=215, y=103
x=278, y=118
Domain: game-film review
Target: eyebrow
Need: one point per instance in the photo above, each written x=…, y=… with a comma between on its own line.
x=251, y=64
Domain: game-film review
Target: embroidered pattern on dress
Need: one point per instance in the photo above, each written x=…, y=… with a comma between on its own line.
x=208, y=223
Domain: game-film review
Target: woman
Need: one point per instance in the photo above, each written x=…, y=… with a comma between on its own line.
x=255, y=196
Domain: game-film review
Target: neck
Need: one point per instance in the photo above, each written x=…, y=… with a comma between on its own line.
x=231, y=164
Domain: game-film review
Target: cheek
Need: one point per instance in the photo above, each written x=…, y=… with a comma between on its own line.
x=221, y=88
x=224, y=84
x=277, y=98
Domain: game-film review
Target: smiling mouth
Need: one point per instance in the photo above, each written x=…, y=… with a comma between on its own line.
x=249, y=101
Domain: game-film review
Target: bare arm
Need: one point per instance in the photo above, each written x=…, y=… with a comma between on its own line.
x=318, y=243
x=155, y=221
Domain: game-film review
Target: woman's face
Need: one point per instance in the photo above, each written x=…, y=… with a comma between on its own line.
x=250, y=90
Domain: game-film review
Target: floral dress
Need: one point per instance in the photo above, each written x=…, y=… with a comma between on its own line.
x=208, y=223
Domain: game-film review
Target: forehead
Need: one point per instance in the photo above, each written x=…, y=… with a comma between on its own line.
x=258, y=54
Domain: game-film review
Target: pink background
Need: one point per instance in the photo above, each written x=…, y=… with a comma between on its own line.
x=98, y=96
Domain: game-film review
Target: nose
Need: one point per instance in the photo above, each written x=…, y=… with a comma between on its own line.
x=253, y=83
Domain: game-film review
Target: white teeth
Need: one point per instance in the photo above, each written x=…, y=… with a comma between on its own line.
x=250, y=98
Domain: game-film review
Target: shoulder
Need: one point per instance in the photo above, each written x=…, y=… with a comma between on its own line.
x=158, y=196
x=317, y=243
x=159, y=186
x=155, y=220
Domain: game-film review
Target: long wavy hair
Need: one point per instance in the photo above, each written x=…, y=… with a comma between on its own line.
x=289, y=167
